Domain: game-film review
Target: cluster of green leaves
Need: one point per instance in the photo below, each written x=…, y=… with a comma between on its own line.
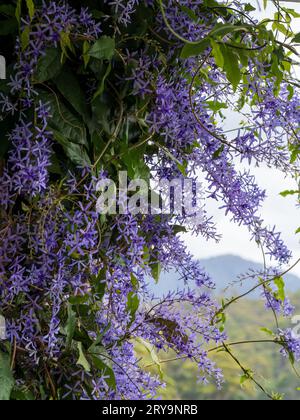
x=234, y=45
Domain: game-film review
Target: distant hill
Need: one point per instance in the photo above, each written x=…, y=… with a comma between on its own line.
x=225, y=271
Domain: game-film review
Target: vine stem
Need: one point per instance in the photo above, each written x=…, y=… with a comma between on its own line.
x=51, y=383
x=247, y=372
x=178, y=36
x=226, y=348
x=14, y=354
x=212, y=350
x=134, y=147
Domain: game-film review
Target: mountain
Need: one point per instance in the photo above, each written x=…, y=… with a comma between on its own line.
x=225, y=271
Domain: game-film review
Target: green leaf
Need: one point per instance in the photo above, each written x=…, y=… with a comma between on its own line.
x=106, y=370
x=101, y=86
x=244, y=378
x=6, y=377
x=19, y=11
x=289, y=192
x=291, y=90
x=79, y=300
x=267, y=331
x=231, y=67
x=219, y=152
x=99, y=284
x=265, y=4
x=218, y=54
x=25, y=38
x=248, y=375
x=291, y=12
x=277, y=26
x=228, y=60
x=156, y=271
x=249, y=8
x=134, y=281
x=69, y=126
x=279, y=282
x=76, y=153
x=22, y=394
x=216, y=106
x=31, y=8
x=49, y=66
x=277, y=397
x=179, y=229
x=70, y=326
x=151, y=350
x=134, y=161
x=192, y=50
x=244, y=55
x=133, y=304
x=69, y=86
x=82, y=361
x=296, y=39
x=66, y=44
x=104, y=48
x=82, y=336
x=183, y=167
x=86, y=57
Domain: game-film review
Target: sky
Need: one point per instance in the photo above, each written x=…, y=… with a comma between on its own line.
x=277, y=210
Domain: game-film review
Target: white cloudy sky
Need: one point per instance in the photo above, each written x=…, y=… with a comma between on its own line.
x=277, y=210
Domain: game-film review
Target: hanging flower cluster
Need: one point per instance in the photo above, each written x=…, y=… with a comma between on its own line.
x=135, y=86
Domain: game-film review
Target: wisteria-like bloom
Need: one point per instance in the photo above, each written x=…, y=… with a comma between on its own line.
x=58, y=18
x=74, y=286
x=272, y=302
x=291, y=344
x=123, y=9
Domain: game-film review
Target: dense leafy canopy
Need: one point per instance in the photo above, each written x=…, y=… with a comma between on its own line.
x=96, y=88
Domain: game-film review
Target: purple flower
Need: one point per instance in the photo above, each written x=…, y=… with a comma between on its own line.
x=55, y=249
x=291, y=344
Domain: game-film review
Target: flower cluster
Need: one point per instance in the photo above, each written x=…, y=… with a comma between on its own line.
x=75, y=286
x=291, y=344
x=57, y=18
x=123, y=9
x=278, y=305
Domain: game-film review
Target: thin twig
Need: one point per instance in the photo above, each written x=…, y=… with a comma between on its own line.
x=13, y=358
